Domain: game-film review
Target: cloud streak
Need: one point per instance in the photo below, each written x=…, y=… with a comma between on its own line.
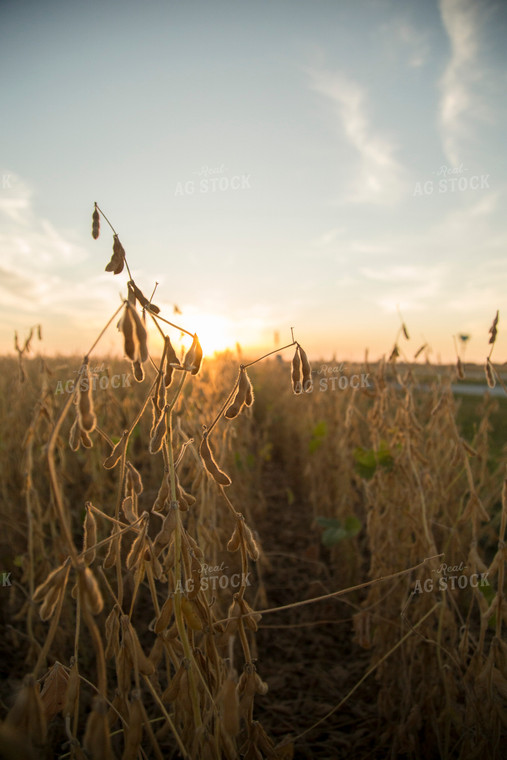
x=460, y=103
x=379, y=178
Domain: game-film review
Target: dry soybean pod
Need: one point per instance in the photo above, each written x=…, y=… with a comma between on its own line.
x=95, y=223
x=236, y=405
x=296, y=373
x=118, y=258
x=134, y=481
x=171, y=359
x=126, y=326
x=86, y=440
x=87, y=419
x=138, y=371
x=92, y=593
x=307, y=371
x=75, y=435
x=90, y=535
x=117, y=452
x=159, y=433
x=209, y=462
x=141, y=335
x=127, y=506
x=193, y=357
x=249, y=394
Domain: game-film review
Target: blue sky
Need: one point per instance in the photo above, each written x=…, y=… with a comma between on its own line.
x=269, y=164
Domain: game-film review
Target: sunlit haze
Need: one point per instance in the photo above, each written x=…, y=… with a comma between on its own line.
x=322, y=166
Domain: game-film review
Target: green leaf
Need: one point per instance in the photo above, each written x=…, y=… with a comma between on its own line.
x=319, y=433
x=334, y=530
x=328, y=522
x=352, y=525
x=367, y=460
x=488, y=593
x=366, y=463
x=320, y=430
x=266, y=452
x=332, y=536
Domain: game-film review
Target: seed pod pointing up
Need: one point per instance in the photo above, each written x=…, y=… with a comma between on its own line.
x=296, y=373
x=307, y=371
x=118, y=258
x=209, y=462
x=95, y=223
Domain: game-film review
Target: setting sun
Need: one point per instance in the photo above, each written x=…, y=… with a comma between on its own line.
x=215, y=333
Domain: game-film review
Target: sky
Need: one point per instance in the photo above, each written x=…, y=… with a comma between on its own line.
x=324, y=166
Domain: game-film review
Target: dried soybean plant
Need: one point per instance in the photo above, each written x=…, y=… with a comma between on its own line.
x=27, y=347
x=169, y=676
x=447, y=683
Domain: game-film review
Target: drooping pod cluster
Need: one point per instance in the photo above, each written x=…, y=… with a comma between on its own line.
x=243, y=535
x=50, y=591
x=79, y=437
x=300, y=364
x=244, y=396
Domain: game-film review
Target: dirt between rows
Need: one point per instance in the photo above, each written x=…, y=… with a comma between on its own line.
x=306, y=654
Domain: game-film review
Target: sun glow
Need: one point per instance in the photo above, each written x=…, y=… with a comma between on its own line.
x=215, y=333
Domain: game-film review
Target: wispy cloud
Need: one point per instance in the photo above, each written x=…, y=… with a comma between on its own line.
x=378, y=177
x=403, y=38
x=38, y=265
x=460, y=103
